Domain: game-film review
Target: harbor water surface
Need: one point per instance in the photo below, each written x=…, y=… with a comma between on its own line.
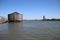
x=30, y=30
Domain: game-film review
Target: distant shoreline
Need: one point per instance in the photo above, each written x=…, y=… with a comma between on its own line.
x=41, y=20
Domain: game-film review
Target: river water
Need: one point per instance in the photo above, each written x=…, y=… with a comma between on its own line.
x=30, y=30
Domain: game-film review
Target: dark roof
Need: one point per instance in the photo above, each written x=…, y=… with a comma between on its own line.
x=15, y=13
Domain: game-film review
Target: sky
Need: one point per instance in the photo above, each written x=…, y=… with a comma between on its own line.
x=31, y=9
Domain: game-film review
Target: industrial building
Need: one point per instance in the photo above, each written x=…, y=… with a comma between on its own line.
x=15, y=17
x=44, y=18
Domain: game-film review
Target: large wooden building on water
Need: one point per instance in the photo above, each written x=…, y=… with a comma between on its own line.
x=15, y=17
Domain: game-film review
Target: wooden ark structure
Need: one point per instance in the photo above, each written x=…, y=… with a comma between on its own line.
x=15, y=17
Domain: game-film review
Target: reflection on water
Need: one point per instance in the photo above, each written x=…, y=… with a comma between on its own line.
x=14, y=30
x=30, y=30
